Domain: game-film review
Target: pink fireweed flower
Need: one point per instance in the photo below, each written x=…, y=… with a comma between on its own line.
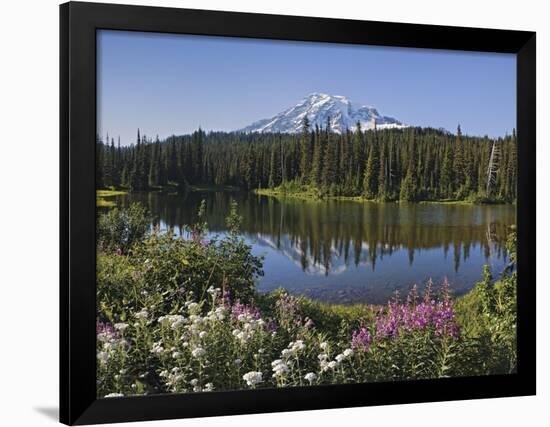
x=361, y=340
x=106, y=331
x=397, y=318
x=239, y=309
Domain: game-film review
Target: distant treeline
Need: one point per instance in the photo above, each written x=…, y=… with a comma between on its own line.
x=391, y=164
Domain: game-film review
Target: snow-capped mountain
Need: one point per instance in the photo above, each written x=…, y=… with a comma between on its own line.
x=318, y=107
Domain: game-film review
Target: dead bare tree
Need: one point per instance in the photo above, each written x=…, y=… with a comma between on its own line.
x=492, y=169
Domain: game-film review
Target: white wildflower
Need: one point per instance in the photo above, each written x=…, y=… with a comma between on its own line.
x=280, y=369
x=252, y=378
x=177, y=321
x=198, y=352
x=348, y=352
x=114, y=395
x=176, y=354
x=103, y=356
x=143, y=314
x=213, y=291
x=310, y=377
x=192, y=306
x=157, y=348
x=203, y=334
x=323, y=345
x=298, y=345
x=172, y=320
x=195, y=319
x=208, y=387
x=243, y=336
x=220, y=313
x=121, y=326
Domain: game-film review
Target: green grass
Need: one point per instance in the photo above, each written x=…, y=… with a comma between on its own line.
x=313, y=194
x=102, y=203
x=303, y=193
x=276, y=192
x=446, y=202
x=208, y=187
x=100, y=196
x=110, y=193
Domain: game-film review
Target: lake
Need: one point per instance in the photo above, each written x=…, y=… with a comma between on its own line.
x=347, y=251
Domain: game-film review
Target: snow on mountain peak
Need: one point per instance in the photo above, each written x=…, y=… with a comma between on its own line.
x=320, y=107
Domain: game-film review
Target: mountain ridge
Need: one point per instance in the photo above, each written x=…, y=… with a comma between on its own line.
x=319, y=108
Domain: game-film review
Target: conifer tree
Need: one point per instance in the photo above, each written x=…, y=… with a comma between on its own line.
x=446, y=180
x=370, y=180
x=383, y=193
x=275, y=167
x=358, y=161
x=330, y=162
x=306, y=154
x=459, y=176
x=409, y=185
x=317, y=166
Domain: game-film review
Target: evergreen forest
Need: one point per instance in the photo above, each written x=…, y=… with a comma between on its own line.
x=410, y=164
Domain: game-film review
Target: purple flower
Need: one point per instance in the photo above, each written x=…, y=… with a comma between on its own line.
x=396, y=318
x=238, y=308
x=106, y=331
x=361, y=339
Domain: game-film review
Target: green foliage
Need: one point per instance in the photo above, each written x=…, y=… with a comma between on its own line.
x=489, y=314
x=121, y=229
x=408, y=189
x=163, y=271
x=370, y=180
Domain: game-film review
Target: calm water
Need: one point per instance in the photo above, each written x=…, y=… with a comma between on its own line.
x=349, y=252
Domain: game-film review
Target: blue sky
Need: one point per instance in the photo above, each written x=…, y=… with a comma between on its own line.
x=172, y=84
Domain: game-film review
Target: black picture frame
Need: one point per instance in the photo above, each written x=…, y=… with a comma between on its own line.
x=78, y=25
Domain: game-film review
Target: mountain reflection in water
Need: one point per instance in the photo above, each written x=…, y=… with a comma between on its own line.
x=348, y=252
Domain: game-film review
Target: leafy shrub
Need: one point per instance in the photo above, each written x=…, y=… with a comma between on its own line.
x=120, y=229
x=489, y=315
x=163, y=271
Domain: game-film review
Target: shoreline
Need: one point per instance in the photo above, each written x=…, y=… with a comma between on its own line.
x=307, y=196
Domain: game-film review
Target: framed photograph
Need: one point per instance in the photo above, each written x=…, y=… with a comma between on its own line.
x=268, y=213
